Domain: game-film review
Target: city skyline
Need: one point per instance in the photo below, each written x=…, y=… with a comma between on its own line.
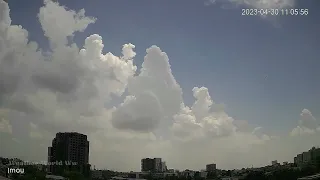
x=192, y=82
x=69, y=144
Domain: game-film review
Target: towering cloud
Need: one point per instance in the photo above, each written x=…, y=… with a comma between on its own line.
x=307, y=124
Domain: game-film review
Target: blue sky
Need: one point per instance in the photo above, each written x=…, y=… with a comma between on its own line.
x=263, y=73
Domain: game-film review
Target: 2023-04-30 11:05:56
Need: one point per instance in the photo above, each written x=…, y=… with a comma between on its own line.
x=274, y=12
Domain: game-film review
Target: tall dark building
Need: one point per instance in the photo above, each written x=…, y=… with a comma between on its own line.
x=211, y=167
x=151, y=165
x=69, y=152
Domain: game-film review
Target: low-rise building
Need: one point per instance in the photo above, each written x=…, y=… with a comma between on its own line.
x=170, y=170
x=97, y=174
x=187, y=173
x=137, y=175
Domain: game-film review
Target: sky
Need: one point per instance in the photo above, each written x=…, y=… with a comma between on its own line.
x=191, y=81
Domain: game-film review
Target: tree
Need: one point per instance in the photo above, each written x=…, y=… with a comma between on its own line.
x=212, y=175
x=73, y=175
x=256, y=175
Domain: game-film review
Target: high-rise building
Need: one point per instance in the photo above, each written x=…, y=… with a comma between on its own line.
x=307, y=157
x=211, y=167
x=299, y=160
x=69, y=151
x=164, y=166
x=158, y=164
x=147, y=164
x=151, y=165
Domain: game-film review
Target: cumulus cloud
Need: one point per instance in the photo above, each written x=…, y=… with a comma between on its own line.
x=66, y=23
x=202, y=119
x=307, y=124
x=154, y=95
x=308, y=120
x=66, y=88
x=66, y=83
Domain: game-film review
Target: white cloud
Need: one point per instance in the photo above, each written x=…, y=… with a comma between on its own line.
x=154, y=95
x=66, y=89
x=202, y=117
x=58, y=24
x=5, y=126
x=308, y=120
x=307, y=124
x=301, y=131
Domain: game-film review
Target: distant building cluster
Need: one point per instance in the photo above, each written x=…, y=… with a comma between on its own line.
x=307, y=157
x=70, y=152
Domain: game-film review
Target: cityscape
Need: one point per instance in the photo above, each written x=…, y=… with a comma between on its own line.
x=159, y=90
x=69, y=156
